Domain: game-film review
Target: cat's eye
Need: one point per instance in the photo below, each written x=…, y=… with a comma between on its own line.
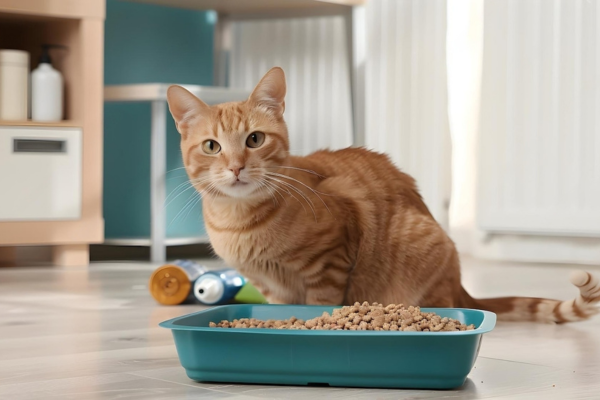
x=211, y=147
x=255, y=139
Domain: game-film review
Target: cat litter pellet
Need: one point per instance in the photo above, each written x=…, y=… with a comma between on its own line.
x=360, y=317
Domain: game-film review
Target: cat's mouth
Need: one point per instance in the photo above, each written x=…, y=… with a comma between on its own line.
x=238, y=188
x=238, y=183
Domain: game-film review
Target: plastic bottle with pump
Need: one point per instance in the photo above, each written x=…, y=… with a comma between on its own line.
x=46, y=89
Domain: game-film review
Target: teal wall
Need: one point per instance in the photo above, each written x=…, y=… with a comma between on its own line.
x=146, y=43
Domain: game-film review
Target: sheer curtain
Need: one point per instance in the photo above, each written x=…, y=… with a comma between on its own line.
x=406, y=93
x=313, y=54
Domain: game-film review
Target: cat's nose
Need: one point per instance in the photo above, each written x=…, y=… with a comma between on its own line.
x=237, y=170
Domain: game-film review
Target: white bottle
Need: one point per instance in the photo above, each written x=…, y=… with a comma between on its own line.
x=46, y=91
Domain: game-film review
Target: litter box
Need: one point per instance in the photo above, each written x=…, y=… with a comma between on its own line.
x=385, y=359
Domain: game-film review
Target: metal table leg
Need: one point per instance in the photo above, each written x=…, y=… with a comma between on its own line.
x=221, y=51
x=158, y=167
x=355, y=19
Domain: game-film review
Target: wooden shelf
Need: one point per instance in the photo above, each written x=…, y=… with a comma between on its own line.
x=255, y=6
x=59, y=124
x=147, y=242
x=158, y=91
x=54, y=8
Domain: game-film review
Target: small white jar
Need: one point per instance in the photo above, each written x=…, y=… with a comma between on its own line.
x=14, y=85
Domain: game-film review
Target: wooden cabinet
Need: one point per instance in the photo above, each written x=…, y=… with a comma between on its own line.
x=79, y=25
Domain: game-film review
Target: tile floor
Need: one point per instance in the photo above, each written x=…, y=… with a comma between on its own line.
x=91, y=333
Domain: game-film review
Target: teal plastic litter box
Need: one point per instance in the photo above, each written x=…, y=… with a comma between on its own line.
x=420, y=360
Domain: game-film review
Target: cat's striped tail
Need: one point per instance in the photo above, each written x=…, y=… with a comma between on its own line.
x=544, y=310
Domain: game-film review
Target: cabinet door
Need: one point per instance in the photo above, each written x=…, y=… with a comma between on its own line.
x=40, y=173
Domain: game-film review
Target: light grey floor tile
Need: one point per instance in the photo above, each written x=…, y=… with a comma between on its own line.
x=92, y=333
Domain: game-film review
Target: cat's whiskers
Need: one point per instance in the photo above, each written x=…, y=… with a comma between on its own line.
x=175, y=169
x=195, y=198
x=209, y=190
x=275, y=189
x=299, y=169
x=274, y=184
x=176, y=177
x=305, y=170
x=191, y=183
x=187, y=204
x=198, y=198
x=267, y=183
x=306, y=186
x=291, y=194
x=187, y=182
x=262, y=186
x=302, y=194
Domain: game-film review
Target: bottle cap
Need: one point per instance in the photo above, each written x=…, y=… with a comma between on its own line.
x=45, y=57
x=170, y=285
x=14, y=57
x=209, y=289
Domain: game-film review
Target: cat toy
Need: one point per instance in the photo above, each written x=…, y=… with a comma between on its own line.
x=185, y=281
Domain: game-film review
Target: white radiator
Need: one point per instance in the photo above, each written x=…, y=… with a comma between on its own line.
x=539, y=159
x=313, y=54
x=406, y=93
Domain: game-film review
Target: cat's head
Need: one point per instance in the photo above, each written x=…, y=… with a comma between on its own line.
x=229, y=148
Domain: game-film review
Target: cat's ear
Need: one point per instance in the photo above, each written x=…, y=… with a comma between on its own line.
x=184, y=106
x=270, y=91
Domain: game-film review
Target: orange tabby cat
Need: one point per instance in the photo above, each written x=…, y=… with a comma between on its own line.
x=334, y=227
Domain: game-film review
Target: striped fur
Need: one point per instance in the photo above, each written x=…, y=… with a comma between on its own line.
x=333, y=227
x=580, y=308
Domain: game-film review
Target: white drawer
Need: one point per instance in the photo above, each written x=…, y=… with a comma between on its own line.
x=40, y=173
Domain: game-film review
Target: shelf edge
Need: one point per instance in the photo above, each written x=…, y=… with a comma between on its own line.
x=158, y=92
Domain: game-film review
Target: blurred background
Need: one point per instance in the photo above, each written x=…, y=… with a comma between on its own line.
x=493, y=106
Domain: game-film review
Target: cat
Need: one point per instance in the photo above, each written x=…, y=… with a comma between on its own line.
x=330, y=228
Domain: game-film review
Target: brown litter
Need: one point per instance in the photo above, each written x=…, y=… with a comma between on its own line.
x=360, y=317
